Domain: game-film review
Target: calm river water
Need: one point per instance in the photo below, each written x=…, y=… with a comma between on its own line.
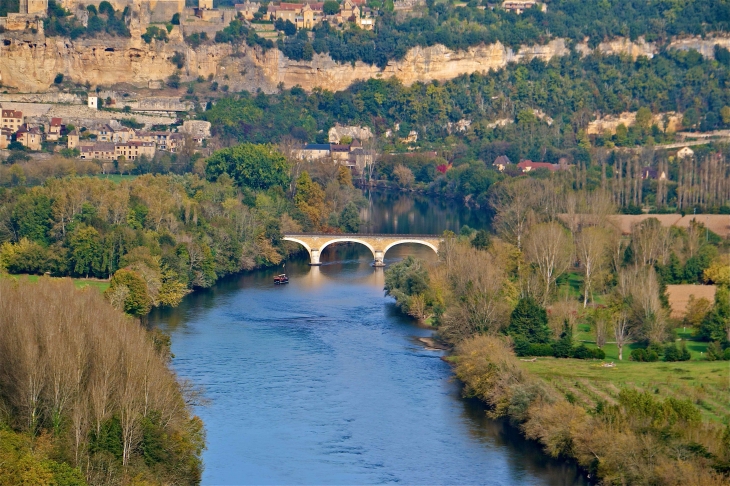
x=323, y=381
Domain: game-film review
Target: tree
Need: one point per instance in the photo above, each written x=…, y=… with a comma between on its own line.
x=725, y=114
x=403, y=176
x=178, y=59
x=350, y=218
x=716, y=324
x=408, y=283
x=718, y=272
x=331, y=7
x=563, y=348
x=512, y=204
x=289, y=28
x=85, y=251
x=591, y=245
x=136, y=301
x=250, y=165
x=481, y=240
x=31, y=217
x=643, y=118
x=58, y=79
x=621, y=302
x=549, y=247
x=309, y=199
x=105, y=8
x=697, y=310
x=529, y=320
x=344, y=176
x=173, y=81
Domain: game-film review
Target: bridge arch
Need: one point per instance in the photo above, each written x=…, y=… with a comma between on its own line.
x=347, y=240
x=415, y=240
x=295, y=240
x=378, y=244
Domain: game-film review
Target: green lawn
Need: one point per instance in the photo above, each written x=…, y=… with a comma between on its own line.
x=706, y=383
x=117, y=178
x=80, y=283
x=572, y=284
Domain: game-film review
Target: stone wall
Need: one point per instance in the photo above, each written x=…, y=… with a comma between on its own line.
x=80, y=115
x=63, y=98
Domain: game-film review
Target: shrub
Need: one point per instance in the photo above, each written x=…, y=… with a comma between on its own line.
x=58, y=79
x=541, y=350
x=563, y=348
x=714, y=352
x=673, y=353
x=646, y=355
x=584, y=352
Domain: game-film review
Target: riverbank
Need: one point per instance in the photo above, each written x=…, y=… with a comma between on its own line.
x=636, y=435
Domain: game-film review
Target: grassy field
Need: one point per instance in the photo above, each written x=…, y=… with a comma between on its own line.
x=80, y=283
x=586, y=382
x=116, y=177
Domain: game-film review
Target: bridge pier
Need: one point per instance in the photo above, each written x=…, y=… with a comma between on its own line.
x=314, y=258
x=379, y=256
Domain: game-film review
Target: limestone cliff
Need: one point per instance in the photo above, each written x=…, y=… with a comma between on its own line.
x=29, y=62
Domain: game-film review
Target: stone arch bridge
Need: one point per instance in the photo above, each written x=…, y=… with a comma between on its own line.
x=378, y=244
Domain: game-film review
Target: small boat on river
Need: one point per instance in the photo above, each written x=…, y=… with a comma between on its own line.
x=281, y=279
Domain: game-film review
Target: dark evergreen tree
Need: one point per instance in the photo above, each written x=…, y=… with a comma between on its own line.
x=563, y=347
x=529, y=320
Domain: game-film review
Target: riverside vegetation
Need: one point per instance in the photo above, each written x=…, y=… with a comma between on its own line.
x=535, y=309
x=85, y=392
x=159, y=236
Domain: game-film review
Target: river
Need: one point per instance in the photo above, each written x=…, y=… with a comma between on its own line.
x=323, y=381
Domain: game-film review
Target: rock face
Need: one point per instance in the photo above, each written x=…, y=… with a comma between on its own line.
x=29, y=62
x=356, y=133
x=608, y=124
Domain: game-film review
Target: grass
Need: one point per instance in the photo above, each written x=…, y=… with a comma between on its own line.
x=587, y=382
x=116, y=178
x=706, y=383
x=80, y=283
x=572, y=284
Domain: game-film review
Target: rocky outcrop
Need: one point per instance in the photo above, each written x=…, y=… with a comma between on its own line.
x=356, y=133
x=706, y=46
x=607, y=124
x=30, y=62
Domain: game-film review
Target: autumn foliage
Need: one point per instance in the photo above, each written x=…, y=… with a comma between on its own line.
x=640, y=439
x=91, y=388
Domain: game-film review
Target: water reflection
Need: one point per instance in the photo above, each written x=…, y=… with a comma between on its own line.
x=396, y=212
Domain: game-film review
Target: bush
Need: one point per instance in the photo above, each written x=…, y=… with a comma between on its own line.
x=563, y=348
x=673, y=353
x=648, y=355
x=523, y=347
x=584, y=352
x=58, y=79
x=541, y=350
x=715, y=352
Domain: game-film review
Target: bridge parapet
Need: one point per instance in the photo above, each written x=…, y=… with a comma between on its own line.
x=378, y=244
